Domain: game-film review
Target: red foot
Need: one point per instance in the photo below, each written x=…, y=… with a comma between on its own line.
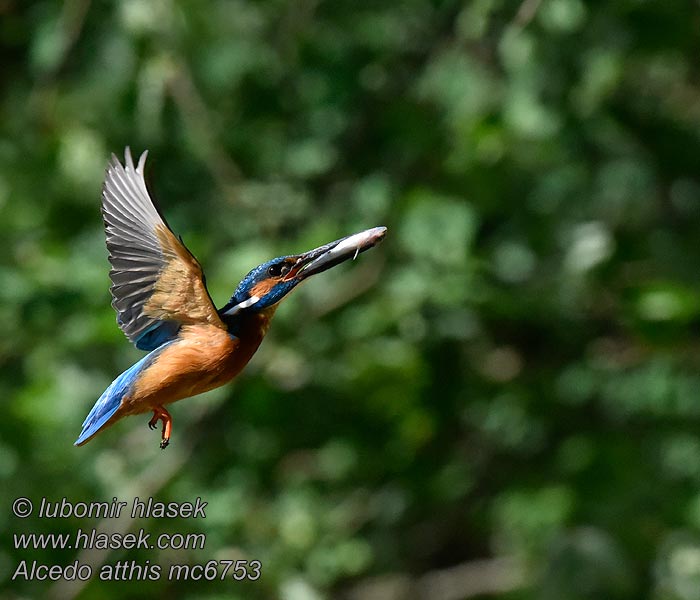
x=160, y=414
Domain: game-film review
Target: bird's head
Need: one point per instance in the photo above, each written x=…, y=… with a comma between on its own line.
x=268, y=283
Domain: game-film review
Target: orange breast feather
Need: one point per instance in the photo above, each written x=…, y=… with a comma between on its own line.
x=203, y=358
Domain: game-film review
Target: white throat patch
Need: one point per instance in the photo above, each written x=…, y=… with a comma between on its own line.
x=241, y=305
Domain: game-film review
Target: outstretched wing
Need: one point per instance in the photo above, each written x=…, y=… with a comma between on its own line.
x=157, y=284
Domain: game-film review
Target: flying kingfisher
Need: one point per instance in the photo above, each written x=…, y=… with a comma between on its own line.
x=163, y=305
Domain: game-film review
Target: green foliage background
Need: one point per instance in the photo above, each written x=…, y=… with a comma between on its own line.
x=500, y=401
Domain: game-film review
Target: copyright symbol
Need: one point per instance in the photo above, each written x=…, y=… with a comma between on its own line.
x=22, y=507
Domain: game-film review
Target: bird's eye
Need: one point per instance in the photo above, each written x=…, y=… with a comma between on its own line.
x=278, y=270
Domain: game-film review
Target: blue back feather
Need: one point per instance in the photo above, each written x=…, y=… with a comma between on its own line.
x=157, y=334
x=111, y=398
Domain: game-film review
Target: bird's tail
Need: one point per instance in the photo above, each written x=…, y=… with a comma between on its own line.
x=110, y=401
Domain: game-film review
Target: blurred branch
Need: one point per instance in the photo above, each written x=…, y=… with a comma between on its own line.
x=72, y=21
x=526, y=12
x=202, y=127
x=466, y=580
x=70, y=25
x=350, y=287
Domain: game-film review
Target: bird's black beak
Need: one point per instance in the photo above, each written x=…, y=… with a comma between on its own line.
x=329, y=255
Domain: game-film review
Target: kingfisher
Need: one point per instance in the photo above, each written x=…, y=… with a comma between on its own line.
x=163, y=305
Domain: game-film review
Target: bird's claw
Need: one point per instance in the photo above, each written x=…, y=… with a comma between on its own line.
x=160, y=414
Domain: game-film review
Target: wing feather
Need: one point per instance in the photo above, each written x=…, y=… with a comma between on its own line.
x=157, y=284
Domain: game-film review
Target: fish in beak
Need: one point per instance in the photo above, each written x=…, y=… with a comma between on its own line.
x=329, y=255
